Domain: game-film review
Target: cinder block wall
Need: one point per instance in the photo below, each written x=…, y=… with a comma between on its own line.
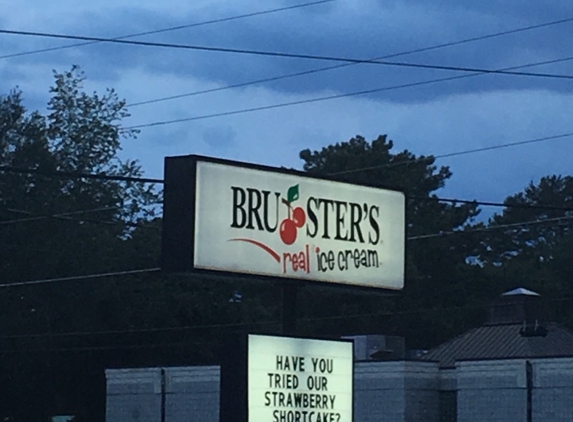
x=492, y=391
x=192, y=394
x=421, y=383
x=379, y=392
x=133, y=395
x=552, y=390
x=388, y=391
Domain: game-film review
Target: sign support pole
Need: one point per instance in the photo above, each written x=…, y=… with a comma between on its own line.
x=289, y=300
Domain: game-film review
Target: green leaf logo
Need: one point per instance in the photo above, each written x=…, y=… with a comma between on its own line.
x=292, y=194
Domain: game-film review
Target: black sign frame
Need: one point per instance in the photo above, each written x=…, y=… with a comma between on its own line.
x=178, y=232
x=234, y=387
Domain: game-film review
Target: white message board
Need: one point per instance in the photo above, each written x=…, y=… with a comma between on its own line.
x=299, y=380
x=277, y=224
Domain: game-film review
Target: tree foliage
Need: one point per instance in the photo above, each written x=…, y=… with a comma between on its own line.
x=433, y=264
x=53, y=226
x=550, y=200
x=57, y=338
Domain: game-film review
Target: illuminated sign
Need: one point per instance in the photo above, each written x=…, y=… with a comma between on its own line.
x=252, y=220
x=299, y=380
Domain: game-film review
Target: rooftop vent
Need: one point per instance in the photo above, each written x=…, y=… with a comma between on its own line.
x=519, y=306
x=378, y=347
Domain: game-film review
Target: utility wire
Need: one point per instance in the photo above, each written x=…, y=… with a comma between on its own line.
x=263, y=53
x=490, y=228
x=330, y=97
x=138, y=331
x=153, y=270
x=455, y=154
x=100, y=348
x=66, y=217
x=71, y=175
x=492, y=204
x=59, y=215
x=451, y=200
x=79, y=278
x=417, y=311
x=175, y=28
x=323, y=69
x=27, y=247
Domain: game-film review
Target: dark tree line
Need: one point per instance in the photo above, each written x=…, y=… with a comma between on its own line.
x=56, y=338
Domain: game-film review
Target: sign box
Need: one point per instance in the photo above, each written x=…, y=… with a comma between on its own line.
x=288, y=379
x=240, y=218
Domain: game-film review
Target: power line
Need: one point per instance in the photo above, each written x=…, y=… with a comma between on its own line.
x=59, y=215
x=456, y=154
x=138, y=331
x=452, y=200
x=151, y=270
x=493, y=204
x=66, y=217
x=323, y=69
x=71, y=175
x=490, y=228
x=100, y=348
x=174, y=28
x=79, y=278
x=286, y=55
x=417, y=311
x=26, y=246
x=329, y=97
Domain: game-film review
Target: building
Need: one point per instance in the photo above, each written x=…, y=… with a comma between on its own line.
x=514, y=368
x=510, y=368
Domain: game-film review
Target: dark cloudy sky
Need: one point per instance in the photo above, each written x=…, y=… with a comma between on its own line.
x=436, y=118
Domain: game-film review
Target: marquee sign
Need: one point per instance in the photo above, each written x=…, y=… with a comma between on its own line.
x=238, y=218
x=288, y=379
x=294, y=379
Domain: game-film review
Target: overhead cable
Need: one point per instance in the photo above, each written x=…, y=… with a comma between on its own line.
x=388, y=56
x=417, y=311
x=79, y=278
x=455, y=154
x=175, y=28
x=493, y=227
x=328, y=97
x=152, y=270
x=263, y=53
x=73, y=175
x=59, y=215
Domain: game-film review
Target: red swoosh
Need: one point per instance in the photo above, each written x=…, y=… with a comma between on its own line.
x=260, y=245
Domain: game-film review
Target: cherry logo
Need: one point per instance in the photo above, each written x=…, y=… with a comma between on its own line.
x=296, y=217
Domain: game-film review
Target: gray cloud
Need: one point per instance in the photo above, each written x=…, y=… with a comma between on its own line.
x=433, y=119
x=219, y=137
x=337, y=30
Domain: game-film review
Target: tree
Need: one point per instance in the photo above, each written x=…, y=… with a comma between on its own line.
x=530, y=243
x=81, y=134
x=56, y=339
x=434, y=265
x=552, y=200
x=53, y=226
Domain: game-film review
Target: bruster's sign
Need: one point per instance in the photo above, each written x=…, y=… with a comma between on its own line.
x=278, y=224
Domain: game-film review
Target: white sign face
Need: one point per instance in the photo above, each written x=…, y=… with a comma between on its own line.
x=282, y=225
x=299, y=380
